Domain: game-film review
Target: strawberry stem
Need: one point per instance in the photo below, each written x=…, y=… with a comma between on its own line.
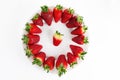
x=81, y=55
x=61, y=70
x=58, y=33
x=79, y=19
x=25, y=39
x=35, y=16
x=71, y=11
x=44, y=8
x=47, y=68
x=37, y=61
x=85, y=28
x=72, y=64
x=86, y=40
x=28, y=52
x=27, y=27
x=59, y=7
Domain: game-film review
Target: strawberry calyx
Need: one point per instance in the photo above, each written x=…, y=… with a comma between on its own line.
x=59, y=7
x=25, y=39
x=72, y=64
x=81, y=55
x=47, y=68
x=44, y=8
x=86, y=40
x=37, y=61
x=58, y=35
x=71, y=11
x=79, y=19
x=84, y=28
x=27, y=27
x=36, y=16
x=28, y=52
x=61, y=70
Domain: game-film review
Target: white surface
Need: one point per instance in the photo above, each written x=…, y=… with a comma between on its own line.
x=102, y=61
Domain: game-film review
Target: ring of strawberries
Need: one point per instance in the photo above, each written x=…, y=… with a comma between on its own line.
x=32, y=38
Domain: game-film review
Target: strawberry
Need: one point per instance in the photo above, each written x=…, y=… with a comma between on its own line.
x=49, y=63
x=79, y=30
x=30, y=39
x=32, y=28
x=66, y=15
x=78, y=51
x=72, y=60
x=39, y=58
x=57, y=13
x=75, y=22
x=80, y=39
x=37, y=20
x=61, y=64
x=33, y=49
x=47, y=15
x=57, y=38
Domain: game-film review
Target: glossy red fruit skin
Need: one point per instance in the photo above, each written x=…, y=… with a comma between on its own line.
x=47, y=16
x=34, y=29
x=79, y=39
x=38, y=21
x=33, y=39
x=50, y=62
x=61, y=60
x=78, y=31
x=73, y=22
x=66, y=16
x=71, y=58
x=41, y=56
x=56, y=42
x=76, y=50
x=35, y=48
x=57, y=14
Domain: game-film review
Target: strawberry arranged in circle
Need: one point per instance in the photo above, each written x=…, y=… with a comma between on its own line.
x=78, y=51
x=80, y=39
x=37, y=20
x=39, y=58
x=72, y=60
x=75, y=22
x=57, y=13
x=33, y=49
x=61, y=64
x=49, y=63
x=66, y=15
x=79, y=30
x=47, y=14
x=32, y=28
x=31, y=39
x=57, y=38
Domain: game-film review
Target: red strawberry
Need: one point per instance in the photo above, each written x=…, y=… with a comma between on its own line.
x=49, y=63
x=30, y=39
x=57, y=13
x=75, y=22
x=66, y=15
x=39, y=58
x=47, y=14
x=80, y=39
x=72, y=60
x=37, y=20
x=61, y=64
x=32, y=28
x=33, y=49
x=78, y=51
x=80, y=30
x=57, y=38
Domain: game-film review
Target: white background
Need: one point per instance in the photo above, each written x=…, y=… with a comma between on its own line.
x=102, y=61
